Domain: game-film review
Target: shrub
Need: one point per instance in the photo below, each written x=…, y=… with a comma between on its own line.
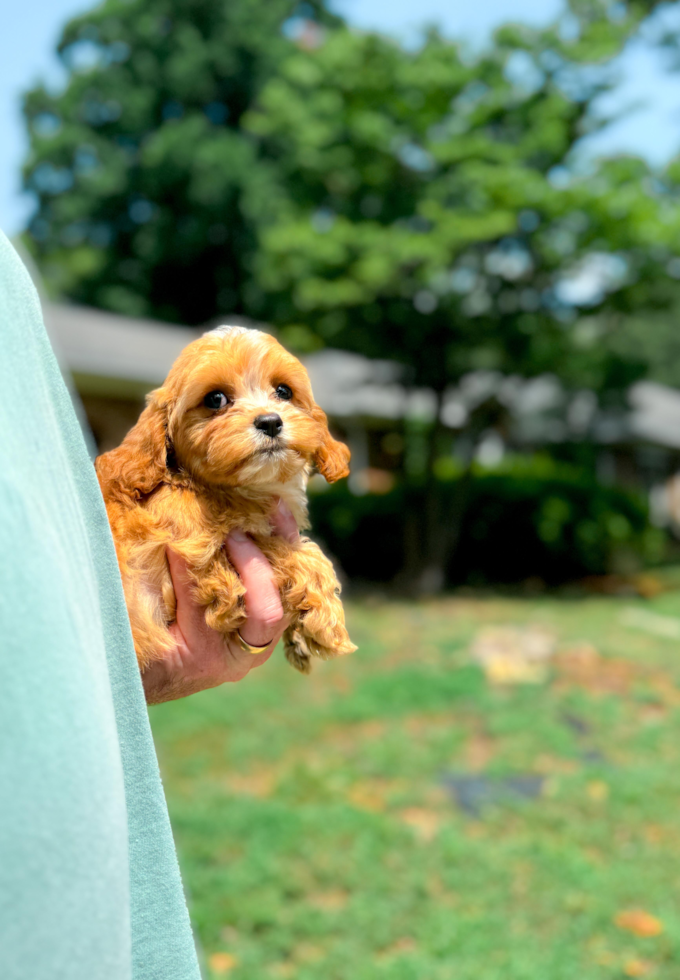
x=528, y=517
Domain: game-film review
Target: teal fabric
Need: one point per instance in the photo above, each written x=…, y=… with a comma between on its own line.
x=89, y=882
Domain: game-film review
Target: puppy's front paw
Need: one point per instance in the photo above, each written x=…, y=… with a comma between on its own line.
x=297, y=652
x=221, y=592
x=311, y=592
x=301, y=646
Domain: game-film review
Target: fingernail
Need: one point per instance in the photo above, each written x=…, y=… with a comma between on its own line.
x=283, y=508
x=238, y=536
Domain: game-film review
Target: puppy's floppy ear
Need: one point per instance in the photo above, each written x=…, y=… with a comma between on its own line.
x=139, y=464
x=332, y=457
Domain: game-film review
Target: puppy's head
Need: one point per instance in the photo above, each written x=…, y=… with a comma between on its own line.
x=236, y=409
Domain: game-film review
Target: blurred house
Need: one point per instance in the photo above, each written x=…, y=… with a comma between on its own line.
x=115, y=360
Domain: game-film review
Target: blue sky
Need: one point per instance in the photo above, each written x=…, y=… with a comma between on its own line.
x=30, y=30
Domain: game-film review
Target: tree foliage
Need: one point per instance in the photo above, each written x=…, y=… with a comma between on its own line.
x=149, y=192
x=427, y=205
x=432, y=211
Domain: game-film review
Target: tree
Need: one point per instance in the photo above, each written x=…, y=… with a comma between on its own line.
x=421, y=205
x=431, y=212
x=148, y=191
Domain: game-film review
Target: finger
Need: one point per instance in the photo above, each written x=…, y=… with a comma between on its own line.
x=284, y=523
x=190, y=617
x=262, y=599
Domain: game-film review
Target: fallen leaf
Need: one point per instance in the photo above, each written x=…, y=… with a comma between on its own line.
x=401, y=947
x=582, y=666
x=605, y=957
x=597, y=790
x=551, y=765
x=222, y=963
x=594, y=855
x=404, y=945
x=367, y=796
x=475, y=830
x=331, y=901
x=283, y=970
x=653, y=833
x=479, y=751
x=600, y=952
x=579, y=662
x=428, y=724
x=439, y=892
x=370, y=729
x=639, y=922
x=424, y=823
x=637, y=968
x=341, y=683
x=307, y=953
x=665, y=687
x=260, y=784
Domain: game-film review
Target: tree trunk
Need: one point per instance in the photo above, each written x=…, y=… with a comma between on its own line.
x=427, y=548
x=443, y=527
x=440, y=526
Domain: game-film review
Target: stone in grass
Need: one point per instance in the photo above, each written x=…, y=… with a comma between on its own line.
x=474, y=792
x=511, y=655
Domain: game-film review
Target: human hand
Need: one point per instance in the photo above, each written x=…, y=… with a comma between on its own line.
x=203, y=658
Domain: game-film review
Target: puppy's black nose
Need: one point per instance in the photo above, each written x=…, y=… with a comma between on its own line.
x=271, y=424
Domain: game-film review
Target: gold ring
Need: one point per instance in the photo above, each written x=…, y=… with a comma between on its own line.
x=249, y=648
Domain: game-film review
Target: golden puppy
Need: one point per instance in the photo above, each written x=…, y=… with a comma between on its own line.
x=234, y=426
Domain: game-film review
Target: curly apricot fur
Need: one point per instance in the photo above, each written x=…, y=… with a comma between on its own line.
x=186, y=475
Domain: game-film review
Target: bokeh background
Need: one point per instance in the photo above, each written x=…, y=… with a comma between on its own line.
x=466, y=221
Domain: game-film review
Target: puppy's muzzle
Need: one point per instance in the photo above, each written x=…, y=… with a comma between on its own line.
x=271, y=424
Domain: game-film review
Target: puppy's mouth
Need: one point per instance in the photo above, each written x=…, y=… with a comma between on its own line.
x=275, y=452
x=273, y=460
x=271, y=450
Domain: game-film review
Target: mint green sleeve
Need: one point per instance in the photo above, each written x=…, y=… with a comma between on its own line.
x=89, y=882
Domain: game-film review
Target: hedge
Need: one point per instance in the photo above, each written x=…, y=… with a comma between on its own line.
x=529, y=517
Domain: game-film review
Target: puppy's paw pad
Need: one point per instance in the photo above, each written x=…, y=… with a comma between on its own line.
x=297, y=651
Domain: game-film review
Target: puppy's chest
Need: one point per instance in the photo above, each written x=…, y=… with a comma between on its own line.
x=188, y=515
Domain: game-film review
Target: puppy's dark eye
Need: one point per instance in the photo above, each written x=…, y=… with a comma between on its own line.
x=215, y=400
x=284, y=392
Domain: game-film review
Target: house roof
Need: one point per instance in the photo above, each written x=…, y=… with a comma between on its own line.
x=351, y=386
x=114, y=355
x=655, y=415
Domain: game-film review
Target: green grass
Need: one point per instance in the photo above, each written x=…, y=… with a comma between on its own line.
x=318, y=841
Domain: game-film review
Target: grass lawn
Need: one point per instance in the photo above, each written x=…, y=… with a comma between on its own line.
x=320, y=840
